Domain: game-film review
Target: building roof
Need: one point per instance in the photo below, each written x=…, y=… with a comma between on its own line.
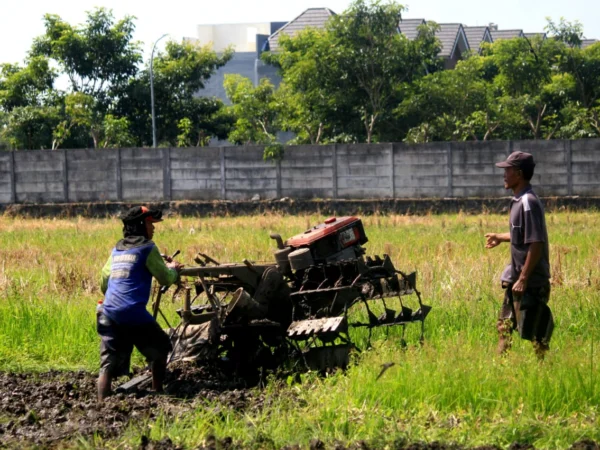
x=534, y=35
x=312, y=17
x=451, y=36
x=409, y=27
x=477, y=35
x=505, y=34
x=587, y=42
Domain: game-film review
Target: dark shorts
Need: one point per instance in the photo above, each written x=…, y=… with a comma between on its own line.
x=117, y=342
x=529, y=314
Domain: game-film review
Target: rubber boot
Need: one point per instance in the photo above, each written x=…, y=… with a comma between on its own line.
x=104, y=386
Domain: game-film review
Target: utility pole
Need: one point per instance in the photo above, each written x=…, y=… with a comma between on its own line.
x=152, y=91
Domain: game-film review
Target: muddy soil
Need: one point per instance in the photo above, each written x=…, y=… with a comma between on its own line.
x=52, y=409
x=226, y=444
x=287, y=206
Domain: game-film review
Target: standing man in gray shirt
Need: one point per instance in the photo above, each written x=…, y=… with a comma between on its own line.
x=526, y=279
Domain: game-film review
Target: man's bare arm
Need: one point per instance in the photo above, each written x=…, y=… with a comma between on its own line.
x=494, y=239
x=534, y=254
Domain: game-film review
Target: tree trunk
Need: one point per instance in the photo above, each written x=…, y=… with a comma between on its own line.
x=319, y=132
x=370, y=127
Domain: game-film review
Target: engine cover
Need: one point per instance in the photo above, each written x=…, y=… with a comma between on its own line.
x=335, y=239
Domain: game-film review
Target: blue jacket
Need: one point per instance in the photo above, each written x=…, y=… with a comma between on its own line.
x=129, y=284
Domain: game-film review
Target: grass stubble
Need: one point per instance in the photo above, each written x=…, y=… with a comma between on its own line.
x=452, y=389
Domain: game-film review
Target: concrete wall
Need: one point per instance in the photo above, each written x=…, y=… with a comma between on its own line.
x=92, y=175
x=6, y=178
x=40, y=176
x=341, y=171
x=242, y=35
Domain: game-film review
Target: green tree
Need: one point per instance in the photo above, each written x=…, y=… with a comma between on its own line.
x=32, y=85
x=308, y=108
x=4, y=144
x=525, y=67
x=255, y=110
x=583, y=65
x=115, y=132
x=179, y=73
x=80, y=111
x=28, y=104
x=348, y=75
x=370, y=58
x=457, y=104
x=97, y=57
x=30, y=127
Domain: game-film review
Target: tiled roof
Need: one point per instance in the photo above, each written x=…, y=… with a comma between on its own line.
x=506, y=34
x=312, y=17
x=534, y=35
x=449, y=34
x=409, y=27
x=587, y=42
x=476, y=35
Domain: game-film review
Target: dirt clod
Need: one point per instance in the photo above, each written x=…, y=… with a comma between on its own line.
x=163, y=444
x=585, y=444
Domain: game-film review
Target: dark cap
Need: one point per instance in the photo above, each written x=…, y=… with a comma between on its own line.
x=519, y=160
x=141, y=213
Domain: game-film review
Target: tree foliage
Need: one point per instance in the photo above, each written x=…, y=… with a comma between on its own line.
x=344, y=79
x=97, y=57
x=179, y=73
x=356, y=80
x=255, y=109
x=107, y=102
x=31, y=85
x=516, y=89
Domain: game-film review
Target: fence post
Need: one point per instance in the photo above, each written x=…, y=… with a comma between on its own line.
x=278, y=174
x=65, y=176
x=167, y=173
x=119, y=176
x=569, y=158
x=392, y=172
x=13, y=183
x=334, y=171
x=222, y=157
x=450, y=169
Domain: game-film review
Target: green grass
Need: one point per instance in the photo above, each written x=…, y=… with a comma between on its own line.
x=453, y=389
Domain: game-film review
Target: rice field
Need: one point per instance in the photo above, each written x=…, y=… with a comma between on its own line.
x=453, y=389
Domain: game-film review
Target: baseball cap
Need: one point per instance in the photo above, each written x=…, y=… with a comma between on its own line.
x=517, y=159
x=141, y=213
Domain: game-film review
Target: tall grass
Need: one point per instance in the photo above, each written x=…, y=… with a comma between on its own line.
x=453, y=388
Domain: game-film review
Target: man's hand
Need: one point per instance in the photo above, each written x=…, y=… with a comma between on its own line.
x=491, y=240
x=168, y=258
x=175, y=265
x=519, y=287
x=494, y=239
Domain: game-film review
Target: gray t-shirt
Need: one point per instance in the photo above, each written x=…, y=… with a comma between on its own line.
x=528, y=225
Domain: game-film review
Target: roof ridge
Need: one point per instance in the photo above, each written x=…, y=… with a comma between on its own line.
x=328, y=10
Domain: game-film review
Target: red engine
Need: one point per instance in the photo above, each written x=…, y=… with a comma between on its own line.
x=337, y=239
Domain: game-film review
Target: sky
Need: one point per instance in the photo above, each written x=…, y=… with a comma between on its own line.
x=21, y=21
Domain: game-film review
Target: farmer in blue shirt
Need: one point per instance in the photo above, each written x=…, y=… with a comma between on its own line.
x=124, y=321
